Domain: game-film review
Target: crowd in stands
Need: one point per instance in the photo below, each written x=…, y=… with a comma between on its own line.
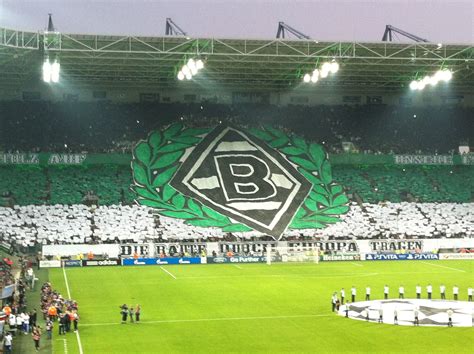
x=111, y=184
x=61, y=224
x=106, y=127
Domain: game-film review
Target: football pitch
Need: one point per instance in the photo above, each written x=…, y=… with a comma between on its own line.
x=253, y=308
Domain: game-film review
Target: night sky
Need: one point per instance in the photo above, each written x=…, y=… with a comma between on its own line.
x=438, y=21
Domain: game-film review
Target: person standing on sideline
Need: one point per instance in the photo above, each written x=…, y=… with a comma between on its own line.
x=137, y=313
x=333, y=301
x=353, y=293
x=418, y=291
x=49, y=329
x=343, y=296
x=380, y=314
x=385, y=291
x=36, y=337
x=75, y=320
x=450, y=318
x=455, y=292
x=33, y=317
x=395, y=315
x=442, y=291
x=367, y=293
x=7, y=343
x=348, y=308
x=429, y=290
x=62, y=323
x=131, y=313
x=124, y=313
x=401, y=292
x=416, y=322
x=469, y=293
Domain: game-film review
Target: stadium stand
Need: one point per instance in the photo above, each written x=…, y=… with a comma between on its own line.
x=111, y=183
x=47, y=204
x=61, y=224
x=105, y=127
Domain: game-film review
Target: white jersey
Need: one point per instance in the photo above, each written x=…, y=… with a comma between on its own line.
x=401, y=290
x=442, y=289
x=343, y=293
x=455, y=290
x=385, y=289
x=353, y=291
x=469, y=291
x=418, y=289
x=429, y=289
x=367, y=290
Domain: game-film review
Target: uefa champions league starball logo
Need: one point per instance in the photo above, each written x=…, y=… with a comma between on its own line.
x=237, y=179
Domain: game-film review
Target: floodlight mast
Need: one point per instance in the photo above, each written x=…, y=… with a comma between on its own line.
x=50, y=23
x=282, y=27
x=387, y=35
x=172, y=29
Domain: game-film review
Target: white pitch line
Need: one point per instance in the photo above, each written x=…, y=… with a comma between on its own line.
x=296, y=276
x=70, y=297
x=215, y=319
x=163, y=269
x=237, y=266
x=358, y=265
x=64, y=344
x=442, y=266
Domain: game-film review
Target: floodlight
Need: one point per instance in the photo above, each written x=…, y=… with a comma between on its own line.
x=421, y=85
x=307, y=78
x=439, y=75
x=191, y=63
x=199, y=64
x=47, y=71
x=323, y=73
x=185, y=69
x=180, y=76
x=326, y=67
x=314, y=79
x=194, y=70
x=414, y=85
x=426, y=80
x=334, y=67
x=316, y=72
x=189, y=76
x=433, y=80
x=447, y=75
x=55, y=69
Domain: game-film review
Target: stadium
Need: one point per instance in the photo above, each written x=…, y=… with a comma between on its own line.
x=202, y=195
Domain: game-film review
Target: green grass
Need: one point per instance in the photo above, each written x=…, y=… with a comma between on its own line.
x=253, y=308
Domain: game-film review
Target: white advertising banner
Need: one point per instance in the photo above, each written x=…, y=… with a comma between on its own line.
x=50, y=264
x=112, y=250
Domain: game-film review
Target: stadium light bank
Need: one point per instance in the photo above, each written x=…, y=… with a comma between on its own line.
x=444, y=75
x=190, y=69
x=321, y=73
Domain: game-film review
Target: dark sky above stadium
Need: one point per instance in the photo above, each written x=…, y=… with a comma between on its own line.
x=439, y=21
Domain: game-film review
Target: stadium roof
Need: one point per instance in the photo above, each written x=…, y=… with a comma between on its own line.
x=153, y=62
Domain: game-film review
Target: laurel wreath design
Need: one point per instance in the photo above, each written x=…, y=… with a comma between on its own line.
x=156, y=160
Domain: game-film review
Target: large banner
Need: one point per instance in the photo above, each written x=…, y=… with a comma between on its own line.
x=50, y=264
x=41, y=159
x=456, y=256
x=424, y=159
x=101, y=263
x=401, y=257
x=237, y=179
x=341, y=257
x=237, y=259
x=160, y=261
